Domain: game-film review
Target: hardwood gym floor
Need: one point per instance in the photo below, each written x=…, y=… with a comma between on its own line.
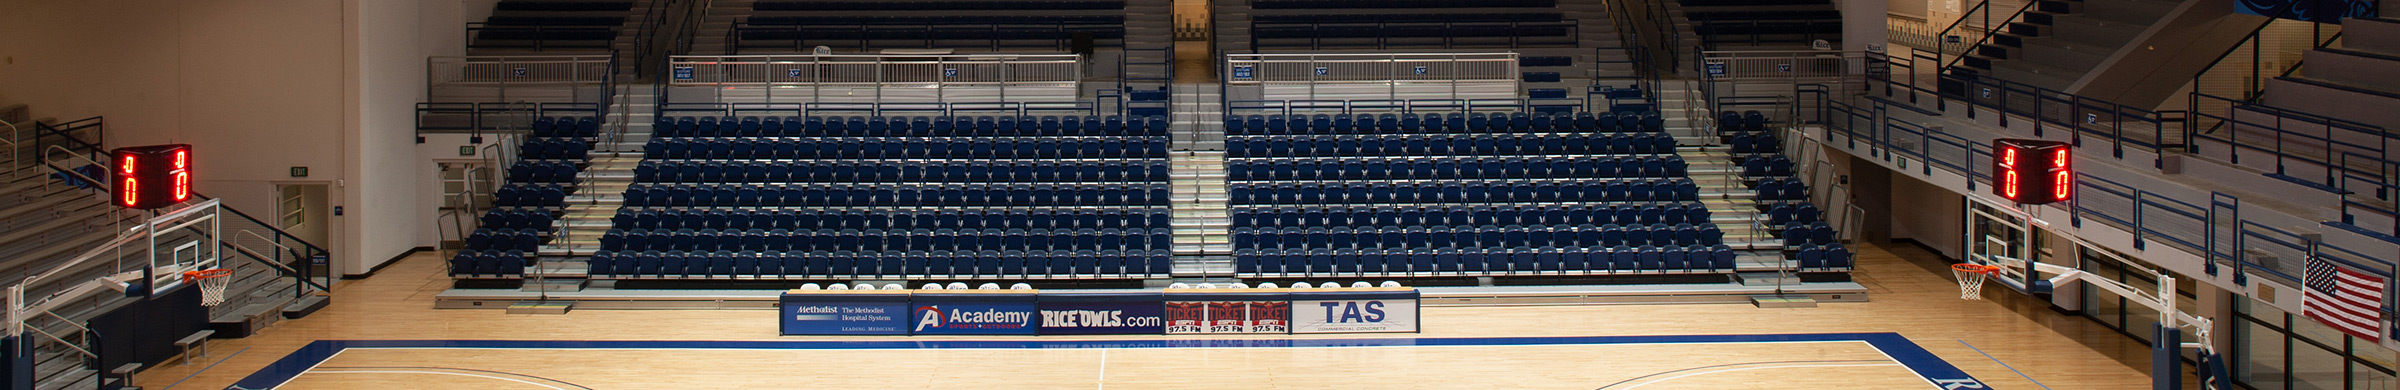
x=1912, y=291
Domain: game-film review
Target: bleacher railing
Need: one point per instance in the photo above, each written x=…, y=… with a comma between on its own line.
x=2243, y=70
x=877, y=109
x=1398, y=76
x=2210, y=228
x=1519, y=34
x=1647, y=24
x=1410, y=106
x=539, y=38
x=1058, y=35
x=896, y=77
x=508, y=87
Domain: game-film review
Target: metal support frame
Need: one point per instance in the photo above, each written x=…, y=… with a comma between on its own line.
x=2162, y=299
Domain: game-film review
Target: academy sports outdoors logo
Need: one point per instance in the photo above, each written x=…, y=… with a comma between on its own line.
x=933, y=317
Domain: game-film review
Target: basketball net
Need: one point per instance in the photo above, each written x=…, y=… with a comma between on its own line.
x=1970, y=279
x=212, y=284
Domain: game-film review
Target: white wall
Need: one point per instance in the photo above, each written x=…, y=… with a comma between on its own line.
x=257, y=86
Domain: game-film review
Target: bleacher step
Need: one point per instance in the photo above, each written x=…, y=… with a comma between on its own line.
x=559, y=307
x=1778, y=302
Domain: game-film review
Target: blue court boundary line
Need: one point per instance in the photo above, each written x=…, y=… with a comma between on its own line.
x=1988, y=355
x=1927, y=366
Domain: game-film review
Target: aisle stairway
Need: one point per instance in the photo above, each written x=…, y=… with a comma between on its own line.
x=1201, y=221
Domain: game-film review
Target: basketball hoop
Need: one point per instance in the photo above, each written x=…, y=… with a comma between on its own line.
x=212, y=284
x=1970, y=279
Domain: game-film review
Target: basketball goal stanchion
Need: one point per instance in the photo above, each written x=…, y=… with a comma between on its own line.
x=1970, y=279
x=212, y=284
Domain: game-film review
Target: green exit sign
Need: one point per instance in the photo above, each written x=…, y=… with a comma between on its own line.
x=465, y=150
x=299, y=171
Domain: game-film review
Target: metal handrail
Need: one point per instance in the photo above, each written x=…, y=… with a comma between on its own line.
x=14, y=137
x=296, y=273
x=61, y=340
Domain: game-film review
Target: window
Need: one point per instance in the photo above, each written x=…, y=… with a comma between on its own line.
x=2278, y=350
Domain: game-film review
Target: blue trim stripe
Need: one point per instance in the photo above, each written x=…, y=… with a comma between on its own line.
x=1916, y=359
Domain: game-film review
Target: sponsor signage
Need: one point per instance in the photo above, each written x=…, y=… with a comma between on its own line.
x=1134, y=317
x=973, y=318
x=1355, y=316
x=845, y=314
x=1243, y=71
x=683, y=73
x=1186, y=314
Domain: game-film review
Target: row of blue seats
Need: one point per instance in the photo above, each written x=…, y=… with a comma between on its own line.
x=566, y=127
x=1652, y=190
x=559, y=148
x=1767, y=166
x=1781, y=189
x=1755, y=142
x=804, y=219
x=527, y=240
x=543, y=172
x=1583, y=122
x=908, y=148
x=1509, y=168
x=939, y=126
x=1012, y=264
x=1751, y=121
x=518, y=218
x=1485, y=261
x=1405, y=216
x=1823, y=257
x=1477, y=145
x=1419, y=237
x=894, y=239
x=1011, y=5
x=1033, y=171
x=488, y=263
x=543, y=195
x=1798, y=234
x=1802, y=212
x=890, y=195
x=1353, y=16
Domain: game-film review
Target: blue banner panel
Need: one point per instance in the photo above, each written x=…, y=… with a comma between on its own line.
x=1136, y=317
x=1002, y=318
x=845, y=318
x=845, y=313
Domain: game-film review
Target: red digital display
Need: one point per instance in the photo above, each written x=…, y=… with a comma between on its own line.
x=150, y=177
x=2032, y=171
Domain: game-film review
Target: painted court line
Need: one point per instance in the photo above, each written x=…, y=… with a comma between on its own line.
x=1931, y=368
x=2028, y=378
x=210, y=365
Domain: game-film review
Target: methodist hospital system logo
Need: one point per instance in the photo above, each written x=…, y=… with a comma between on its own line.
x=933, y=317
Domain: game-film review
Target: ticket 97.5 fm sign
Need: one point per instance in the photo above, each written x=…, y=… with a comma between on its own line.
x=1355, y=316
x=1184, y=317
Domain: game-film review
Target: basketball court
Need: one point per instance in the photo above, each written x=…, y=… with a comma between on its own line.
x=1916, y=334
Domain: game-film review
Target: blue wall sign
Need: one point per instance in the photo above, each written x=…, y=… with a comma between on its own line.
x=1018, y=318
x=1242, y=72
x=793, y=72
x=840, y=318
x=1716, y=69
x=1786, y=68
x=683, y=73
x=1321, y=71
x=1420, y=71
x=1138, y=317
x=520, y=72
x=949, y=72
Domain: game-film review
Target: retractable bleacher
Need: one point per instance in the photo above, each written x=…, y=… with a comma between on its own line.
x=915, y=198
x=1456, y=195
x=1802, y=229
x=526, y=209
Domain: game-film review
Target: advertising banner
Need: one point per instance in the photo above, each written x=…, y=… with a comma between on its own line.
x=829, y=314
x=1186, y=317
x=1136, y=317
x=1011, y=318
x=1355, y=316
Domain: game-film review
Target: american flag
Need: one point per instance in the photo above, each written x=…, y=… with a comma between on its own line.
x=2344, y=299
